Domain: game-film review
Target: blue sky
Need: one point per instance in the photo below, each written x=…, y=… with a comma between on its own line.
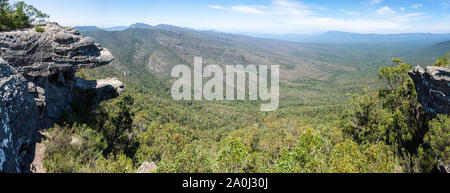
x=258, y=16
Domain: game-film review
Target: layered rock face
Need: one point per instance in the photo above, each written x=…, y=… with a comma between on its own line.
x=433, y=88
x=38, y=83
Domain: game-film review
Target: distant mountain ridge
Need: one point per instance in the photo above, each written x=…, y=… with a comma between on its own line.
x=87, y=28
x=331, y=37
x=115, y=28
x=339, y=37
x=141, y=25
x=95, y=28
x=158, y=48
x=443, y=45
x=121, y=28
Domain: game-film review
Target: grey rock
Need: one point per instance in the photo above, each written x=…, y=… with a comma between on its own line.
x=433, y=88
x=443, y=168
x=57, y=50
x=38, y=83
x=97, y=91
x=19, y=116
x=147, y=167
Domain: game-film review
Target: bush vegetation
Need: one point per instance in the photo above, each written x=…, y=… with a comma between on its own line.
x=19, y=15
x=39, y=29
x=442, y=61
x=377, y=132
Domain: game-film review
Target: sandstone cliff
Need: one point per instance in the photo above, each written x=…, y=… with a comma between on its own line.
x=433, y=88
x=38, y=83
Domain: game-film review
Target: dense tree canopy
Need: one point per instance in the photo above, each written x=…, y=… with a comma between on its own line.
x=383, y=131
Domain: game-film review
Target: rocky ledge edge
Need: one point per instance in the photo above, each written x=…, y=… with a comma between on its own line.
x=38, y=83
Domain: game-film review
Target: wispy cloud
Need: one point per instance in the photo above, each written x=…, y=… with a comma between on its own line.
x=291, y=7
x=408, y=17
x=249, y=9
x=217, y=7
x=289, y=15
x=277, y=7
x=416, y=6
x=385, y=11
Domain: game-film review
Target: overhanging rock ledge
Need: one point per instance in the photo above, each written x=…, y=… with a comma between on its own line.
x=38, y=83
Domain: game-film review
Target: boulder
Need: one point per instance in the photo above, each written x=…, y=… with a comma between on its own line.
x=96, y=91
x=433, y=88
x=147, y=167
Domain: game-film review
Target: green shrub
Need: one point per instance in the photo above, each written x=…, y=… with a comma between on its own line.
x=347, y=157
x=39, y=29
x=380, y=159
x=307, y=157
x=115, y=164
x=441, y=61
x=350, y=157
x=194, y=158
x=439, y=139
x=72, y=149
x=233, y=157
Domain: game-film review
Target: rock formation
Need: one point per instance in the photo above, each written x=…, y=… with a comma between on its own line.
x=433, y=88
x=18, y=118
x=38, y=83
x=147, y=167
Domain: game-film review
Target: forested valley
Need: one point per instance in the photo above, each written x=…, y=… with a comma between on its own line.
x=343, y=109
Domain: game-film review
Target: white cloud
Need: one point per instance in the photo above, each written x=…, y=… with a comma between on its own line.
x=290, y=7
x=408, y=17
x=417, y=6
x=217, y=7
x=402, y=9
x=373, y=2
x=288, y=16
x=248, y=9
x=385, y=11
x=277, y=7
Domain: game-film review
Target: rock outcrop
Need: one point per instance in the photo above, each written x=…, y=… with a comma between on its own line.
x=18, y=118
x=96, y=91
x=38, y=83
x=147, y=167
x=433, y=88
